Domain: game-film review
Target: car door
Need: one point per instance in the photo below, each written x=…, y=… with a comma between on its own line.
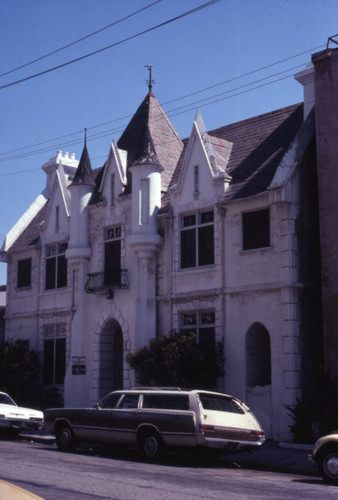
x=124, y=420
x=94, y=424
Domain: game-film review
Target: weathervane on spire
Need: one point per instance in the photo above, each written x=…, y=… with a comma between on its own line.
x=149, y=81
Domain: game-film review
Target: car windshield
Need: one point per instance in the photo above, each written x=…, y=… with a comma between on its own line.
x=220, y=403
x=6, y=400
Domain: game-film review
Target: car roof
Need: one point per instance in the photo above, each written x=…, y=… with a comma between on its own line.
x=168, y=390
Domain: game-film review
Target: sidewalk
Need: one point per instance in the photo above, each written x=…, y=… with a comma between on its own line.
x=277, y=457
x=272, y=456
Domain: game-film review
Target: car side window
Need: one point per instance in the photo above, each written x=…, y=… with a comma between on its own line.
x=129, y=401
x=110, y=401
x=166, y=402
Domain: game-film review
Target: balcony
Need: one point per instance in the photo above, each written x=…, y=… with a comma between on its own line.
x=107, y=282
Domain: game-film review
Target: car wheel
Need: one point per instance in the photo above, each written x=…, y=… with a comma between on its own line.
x=329, y=466
x=152, y=446
x=65, y=438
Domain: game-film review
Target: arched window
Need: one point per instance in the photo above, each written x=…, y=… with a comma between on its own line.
x=258, y=356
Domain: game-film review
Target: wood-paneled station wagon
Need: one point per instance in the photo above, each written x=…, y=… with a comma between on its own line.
x=154, y=419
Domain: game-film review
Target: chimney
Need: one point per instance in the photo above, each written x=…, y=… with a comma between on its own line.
x=306, y=78
x=326, y=112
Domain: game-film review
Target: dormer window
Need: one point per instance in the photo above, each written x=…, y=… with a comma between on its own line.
x=112, y=256
x=197, y=239
x=196, y=179
x=56, y=266
x=112, y=190
x=57, y=217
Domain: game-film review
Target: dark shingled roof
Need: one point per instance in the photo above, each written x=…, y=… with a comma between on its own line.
x=259, y=144
x=150, y=132
x=84, y=173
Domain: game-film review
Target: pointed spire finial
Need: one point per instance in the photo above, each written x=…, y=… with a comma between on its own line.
x=149, y=81
x=85, y=137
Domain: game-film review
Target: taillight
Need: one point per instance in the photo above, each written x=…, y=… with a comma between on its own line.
x=257, y=433
x=207, y=428
x=35, y=419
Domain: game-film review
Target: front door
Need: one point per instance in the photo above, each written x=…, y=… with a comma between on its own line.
x=111, y=358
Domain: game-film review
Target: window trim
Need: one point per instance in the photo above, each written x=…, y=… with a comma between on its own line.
x=19, y=284
x=59, y=332
x=198, y=325
x=197, y=225
x=245, y=246
x=60, y=249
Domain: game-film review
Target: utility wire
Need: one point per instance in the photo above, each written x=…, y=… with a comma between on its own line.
x=173, y=100
x=173, y=19
x=173, y=112
x=80, y=39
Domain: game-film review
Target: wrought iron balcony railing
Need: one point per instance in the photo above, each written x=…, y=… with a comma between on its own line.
x=107, y=281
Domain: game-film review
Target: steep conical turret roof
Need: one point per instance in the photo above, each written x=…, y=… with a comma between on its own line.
x=150, y=136
x=84, y=173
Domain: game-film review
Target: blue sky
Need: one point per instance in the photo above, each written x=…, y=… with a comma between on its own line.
x=203, y=54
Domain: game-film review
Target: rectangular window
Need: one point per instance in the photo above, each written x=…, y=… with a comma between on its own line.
x=256, y=229
x=112, y=256
x=144, y=201
x=196, y=179
x=197, y=239
x=57, y=218
x=54, y=355
x=202, y=323
x=112, y=190
x=24, y=273
x=56, y=266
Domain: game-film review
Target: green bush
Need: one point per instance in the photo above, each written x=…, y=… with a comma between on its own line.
x=176, y=360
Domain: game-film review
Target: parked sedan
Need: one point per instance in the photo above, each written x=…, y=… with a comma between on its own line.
x=14, y=417
x=325, y=453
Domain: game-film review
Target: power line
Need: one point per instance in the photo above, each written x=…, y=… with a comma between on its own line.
x=173, y=112
x=54, y=68
x=174, y=100
x=80, y=39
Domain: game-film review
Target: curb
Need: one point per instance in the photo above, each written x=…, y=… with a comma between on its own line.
x=296, y=446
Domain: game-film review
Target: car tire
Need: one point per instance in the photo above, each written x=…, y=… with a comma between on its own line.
x=328, y=465
x=65, y=438
x=152, y=446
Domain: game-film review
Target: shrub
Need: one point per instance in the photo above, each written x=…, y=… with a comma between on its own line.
x=313, y=417
x=176, y=360
x=20, y=376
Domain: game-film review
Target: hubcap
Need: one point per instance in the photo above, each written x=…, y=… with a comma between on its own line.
x=332, y=465
x=65, y=436
x=151, y=446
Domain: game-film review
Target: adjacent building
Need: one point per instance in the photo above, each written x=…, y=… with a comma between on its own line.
x=217, y=233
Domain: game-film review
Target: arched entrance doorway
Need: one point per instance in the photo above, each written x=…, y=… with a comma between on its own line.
x=258, y=374
x=111, y=358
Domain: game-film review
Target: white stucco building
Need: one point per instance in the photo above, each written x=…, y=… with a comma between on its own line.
x=217, y=233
